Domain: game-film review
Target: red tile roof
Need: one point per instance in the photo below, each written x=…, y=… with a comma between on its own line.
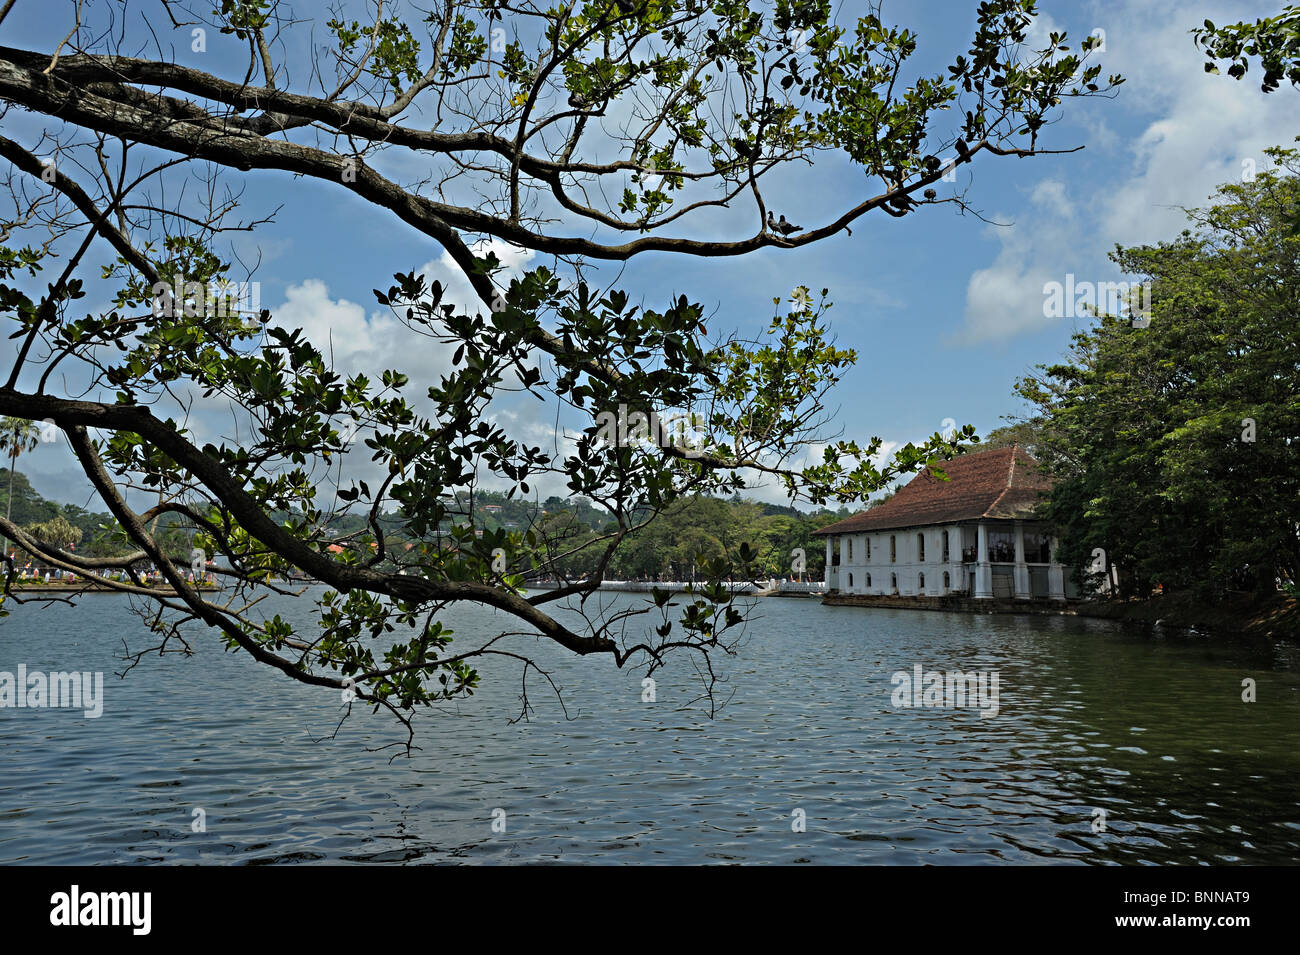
x=1004, y=483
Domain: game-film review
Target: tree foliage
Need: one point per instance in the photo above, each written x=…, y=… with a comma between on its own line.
x=58, y=532
x=757, y=542
x=1177, y=443
x=1273, y=41
x=1027, y=434
x=17, y=437
x=24, y=504
x=584, y=132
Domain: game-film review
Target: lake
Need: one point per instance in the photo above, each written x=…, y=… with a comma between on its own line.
x=809, y=761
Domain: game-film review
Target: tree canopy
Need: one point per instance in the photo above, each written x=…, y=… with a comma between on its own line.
x=1176, y=442
x=586, y=132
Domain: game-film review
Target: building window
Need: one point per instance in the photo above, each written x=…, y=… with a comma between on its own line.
x=1038, y=549
x=920, y=547
x=1002, y=547
x=893, y=583
x=893, y=549
x=835, y=551
x=848, y=559
x=945, y=548
x=868, y=540
x=868, y=580
x=850, y=580
x=920, y=583
x=946, y=584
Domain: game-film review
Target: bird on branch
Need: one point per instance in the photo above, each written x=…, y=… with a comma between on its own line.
x=963, y=150
x=781, y=227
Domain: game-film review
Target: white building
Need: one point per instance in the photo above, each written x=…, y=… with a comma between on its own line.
x=974, y=534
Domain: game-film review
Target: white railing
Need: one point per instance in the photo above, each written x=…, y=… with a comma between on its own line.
x=737, y=587
x=807, y=587
x=676, y=586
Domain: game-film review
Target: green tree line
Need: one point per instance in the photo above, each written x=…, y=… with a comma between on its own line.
x=690, y=532
x=1175, y=440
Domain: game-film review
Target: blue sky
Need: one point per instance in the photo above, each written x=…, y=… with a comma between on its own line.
x=945, y=311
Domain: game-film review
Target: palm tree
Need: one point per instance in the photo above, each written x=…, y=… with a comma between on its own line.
x=17, y=436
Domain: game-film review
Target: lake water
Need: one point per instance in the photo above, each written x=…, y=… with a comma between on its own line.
x=1151, y=730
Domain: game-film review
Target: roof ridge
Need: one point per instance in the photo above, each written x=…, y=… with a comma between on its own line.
x=1011, y=473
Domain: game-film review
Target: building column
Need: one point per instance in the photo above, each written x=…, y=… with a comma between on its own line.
x=983, y=569
x=955, y=579
x=1055, y=575
x=956, y=566
x=1023, y=591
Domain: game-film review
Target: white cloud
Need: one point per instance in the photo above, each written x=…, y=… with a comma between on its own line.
x=357, y=341
x=1204, y=128
x=1006, y=299
x=354, y=340
x=1195, y=132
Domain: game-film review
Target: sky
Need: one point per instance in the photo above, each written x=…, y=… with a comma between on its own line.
x=945, y=311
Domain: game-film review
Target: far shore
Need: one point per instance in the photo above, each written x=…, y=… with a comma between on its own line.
x=89, y=587
x=1277, y=616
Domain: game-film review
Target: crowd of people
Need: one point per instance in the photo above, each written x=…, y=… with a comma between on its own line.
x=31, y=572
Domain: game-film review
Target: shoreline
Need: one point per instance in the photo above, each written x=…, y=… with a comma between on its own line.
x=1242, y=615
x=89, y=588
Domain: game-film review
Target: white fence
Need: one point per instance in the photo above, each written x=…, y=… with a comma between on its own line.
x=808, y=587
x=679, y=586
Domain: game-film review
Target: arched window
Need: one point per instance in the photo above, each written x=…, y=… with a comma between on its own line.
x=920, y=583
x=945, y=550
x=868, y=540
x=893, y=549
x=848, y=558
x=946, y=584
x=920, y=547
x=893, y=583
x=850, y=580
x=868, y=580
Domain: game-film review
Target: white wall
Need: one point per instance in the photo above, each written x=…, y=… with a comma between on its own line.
x=908, y=566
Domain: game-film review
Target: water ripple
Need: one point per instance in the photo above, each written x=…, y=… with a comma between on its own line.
x=809, y=763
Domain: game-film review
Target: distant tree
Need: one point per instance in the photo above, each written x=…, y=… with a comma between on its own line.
x=17, y=436
x=1027, y=434
x=561, y=527
x=695, y=547
x=100, y=534
x=57, y=532
x=24, y=503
